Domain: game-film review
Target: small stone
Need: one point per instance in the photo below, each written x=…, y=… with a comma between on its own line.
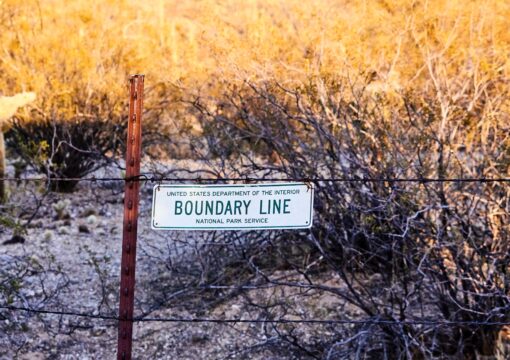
x=16, y=239
x=91, y=219
x=199, y=338
x=83, y=229
x=36, y=224
x=88, y=212
x=98, y=332
x=52, y=226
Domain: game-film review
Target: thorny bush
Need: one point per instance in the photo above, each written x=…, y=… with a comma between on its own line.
x=404, y=251
x=63, y=149
x=74, y=148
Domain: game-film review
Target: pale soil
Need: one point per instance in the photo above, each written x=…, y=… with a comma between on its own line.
x=90, y=263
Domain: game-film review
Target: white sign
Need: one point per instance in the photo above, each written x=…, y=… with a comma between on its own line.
x=232, y=207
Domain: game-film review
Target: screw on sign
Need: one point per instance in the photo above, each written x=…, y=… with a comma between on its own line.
x=131, y=197
x=232, y=206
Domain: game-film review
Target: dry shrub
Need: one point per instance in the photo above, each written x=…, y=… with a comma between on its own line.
x=65, y=149
x=77, y=56
x=437, y=249
x=86, y=49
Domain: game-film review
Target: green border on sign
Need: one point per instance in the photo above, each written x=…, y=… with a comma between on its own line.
x=155, y=227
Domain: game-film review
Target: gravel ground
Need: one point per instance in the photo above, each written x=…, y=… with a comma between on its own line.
x=70, y=260
x=73, y=247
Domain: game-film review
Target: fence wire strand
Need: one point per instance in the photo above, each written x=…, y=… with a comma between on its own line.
x=158, y=179
x=375, y=321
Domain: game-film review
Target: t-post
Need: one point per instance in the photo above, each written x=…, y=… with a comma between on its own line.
x=130, y=225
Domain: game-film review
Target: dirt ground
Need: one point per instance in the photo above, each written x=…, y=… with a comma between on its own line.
x=69, y=260
x=73, y=245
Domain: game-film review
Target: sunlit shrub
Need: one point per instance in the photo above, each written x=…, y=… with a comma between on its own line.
x=66, y=149
x=437, y=249
x=86, y=49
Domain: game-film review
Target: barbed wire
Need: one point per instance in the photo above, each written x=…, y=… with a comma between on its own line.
x=159, y=179
x=376, y=321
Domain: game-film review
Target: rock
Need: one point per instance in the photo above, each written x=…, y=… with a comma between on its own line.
x=65, y=216
x=33, y=356
x=36, y=224
x=91, y=219
x=233, y=312
x=199, y=338
x=99, y=331
x=88, y=212
x=52, y=225
x=83, y=229
x=104, y=212
x=16, y=239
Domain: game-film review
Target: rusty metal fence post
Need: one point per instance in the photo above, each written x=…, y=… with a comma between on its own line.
x=130, y=225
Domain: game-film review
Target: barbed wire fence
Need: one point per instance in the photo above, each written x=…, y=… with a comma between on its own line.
x=497, y=319
x=408, y=257
x=259, y=321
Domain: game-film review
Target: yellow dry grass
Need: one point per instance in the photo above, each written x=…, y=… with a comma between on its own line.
x=75, y=54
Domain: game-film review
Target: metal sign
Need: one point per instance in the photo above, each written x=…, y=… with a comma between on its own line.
x=232, y=207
